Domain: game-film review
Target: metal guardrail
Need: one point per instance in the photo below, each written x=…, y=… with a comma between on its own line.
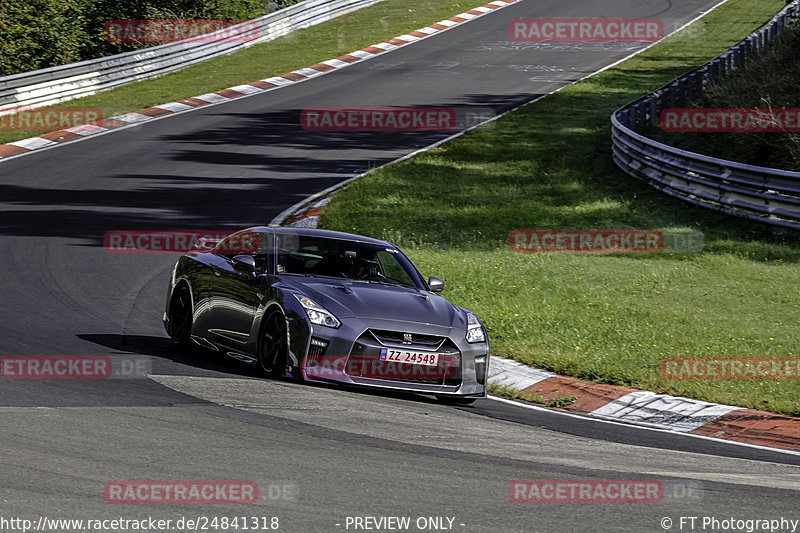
x=757, y=193
x=59, y=84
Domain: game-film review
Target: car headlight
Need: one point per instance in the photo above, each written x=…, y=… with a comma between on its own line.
x=317, y=314
x=474, y=329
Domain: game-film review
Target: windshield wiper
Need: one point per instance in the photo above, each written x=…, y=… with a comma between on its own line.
x=312, y=275
x=380, y=282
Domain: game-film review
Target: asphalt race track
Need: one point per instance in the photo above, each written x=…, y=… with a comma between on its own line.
x=328, y=453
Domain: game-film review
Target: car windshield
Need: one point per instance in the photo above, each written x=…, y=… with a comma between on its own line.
x=338, y=258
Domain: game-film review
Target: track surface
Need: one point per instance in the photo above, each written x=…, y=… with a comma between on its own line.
x=345, y=453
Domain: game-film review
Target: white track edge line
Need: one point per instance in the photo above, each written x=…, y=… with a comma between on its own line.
x=642, y=426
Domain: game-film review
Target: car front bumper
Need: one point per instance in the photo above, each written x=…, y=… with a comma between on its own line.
x=351, y=354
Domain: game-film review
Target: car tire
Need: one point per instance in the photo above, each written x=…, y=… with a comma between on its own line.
x=273, y=350
x=454, y=400
x=180, y=318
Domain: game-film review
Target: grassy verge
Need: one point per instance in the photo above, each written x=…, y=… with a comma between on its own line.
x=769, y=80
x=299, y=49
x=608, y=318
x=508, y=392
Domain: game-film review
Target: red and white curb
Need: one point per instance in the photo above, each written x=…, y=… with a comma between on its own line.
x=56, y=138
x=308, y=217
x=649, y=409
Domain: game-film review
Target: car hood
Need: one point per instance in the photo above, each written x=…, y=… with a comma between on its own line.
x=372, y=300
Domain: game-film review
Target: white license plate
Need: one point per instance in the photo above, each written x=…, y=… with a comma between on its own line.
x=405, y=356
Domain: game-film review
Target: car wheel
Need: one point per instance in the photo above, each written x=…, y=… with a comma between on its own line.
x=454, y=400
x=180, y=318
x=273, y=350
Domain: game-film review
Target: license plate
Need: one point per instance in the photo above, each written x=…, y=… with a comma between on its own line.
x=405, y=356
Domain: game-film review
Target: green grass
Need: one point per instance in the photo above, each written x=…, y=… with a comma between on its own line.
x=299, y=49
x=509, y=392
x=607, y=318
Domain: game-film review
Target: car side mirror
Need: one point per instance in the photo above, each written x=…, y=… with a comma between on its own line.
x=244, y=262
x=436, y=284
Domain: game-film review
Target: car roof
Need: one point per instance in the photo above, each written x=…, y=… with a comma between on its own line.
x=313, y=232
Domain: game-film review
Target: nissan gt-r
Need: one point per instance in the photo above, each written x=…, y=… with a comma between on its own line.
x=325, y=306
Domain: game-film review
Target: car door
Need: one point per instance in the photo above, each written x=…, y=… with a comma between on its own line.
x=234, y=294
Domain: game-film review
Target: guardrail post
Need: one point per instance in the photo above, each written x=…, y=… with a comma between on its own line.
x=653, y=110
x=698, y=83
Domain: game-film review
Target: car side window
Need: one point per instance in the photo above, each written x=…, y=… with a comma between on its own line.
x=243, y=243
x=264, y=253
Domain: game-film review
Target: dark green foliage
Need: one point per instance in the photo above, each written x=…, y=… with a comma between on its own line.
x=36, y=34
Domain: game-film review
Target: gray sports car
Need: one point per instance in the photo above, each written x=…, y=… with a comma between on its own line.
x=325, y=306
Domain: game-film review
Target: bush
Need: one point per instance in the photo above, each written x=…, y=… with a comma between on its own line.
x=36, y=34
x=769, y=80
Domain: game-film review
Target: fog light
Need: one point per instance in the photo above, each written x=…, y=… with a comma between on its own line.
x=480, y=368
x=318, y=347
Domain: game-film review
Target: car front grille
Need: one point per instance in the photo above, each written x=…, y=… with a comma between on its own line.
x=447, y=372
x=397, y=338
x=364, y=360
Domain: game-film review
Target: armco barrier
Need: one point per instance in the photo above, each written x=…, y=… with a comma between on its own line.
x=58, y=84
x=757, y=193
